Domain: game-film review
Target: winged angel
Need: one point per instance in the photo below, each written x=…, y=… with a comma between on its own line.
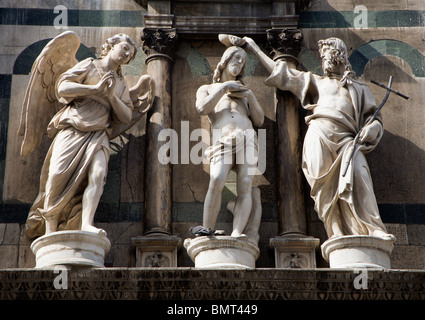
x=81, y=106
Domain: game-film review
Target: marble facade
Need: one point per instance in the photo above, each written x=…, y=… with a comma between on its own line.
x=126, y=212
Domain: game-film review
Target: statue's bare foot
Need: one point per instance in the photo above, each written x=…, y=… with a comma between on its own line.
x=93, y=229
x=238, y=235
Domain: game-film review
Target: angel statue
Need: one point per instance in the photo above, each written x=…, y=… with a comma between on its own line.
x=81, y=105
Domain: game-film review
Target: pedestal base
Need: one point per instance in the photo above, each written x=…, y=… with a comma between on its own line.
x=156, y=250
x=358, y=252
x=222, y=252
x=74, y=248
x=295, y=251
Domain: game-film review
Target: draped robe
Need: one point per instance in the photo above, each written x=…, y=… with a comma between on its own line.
x=347, y=204
x=80, y=129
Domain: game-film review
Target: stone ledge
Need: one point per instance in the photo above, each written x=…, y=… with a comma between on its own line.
x=205, y=284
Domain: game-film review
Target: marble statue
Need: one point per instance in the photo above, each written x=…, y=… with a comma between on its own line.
x=81, y=105
x=233, y=111
x=340, y=106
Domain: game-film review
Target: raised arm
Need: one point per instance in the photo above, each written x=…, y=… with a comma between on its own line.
x=251, y=46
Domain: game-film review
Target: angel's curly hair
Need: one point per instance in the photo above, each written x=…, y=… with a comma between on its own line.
x=112, y=41
x=340, y=53
x=227, y=55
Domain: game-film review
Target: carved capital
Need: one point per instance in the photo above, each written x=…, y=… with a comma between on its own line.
x=159, y=42
x=284, y=43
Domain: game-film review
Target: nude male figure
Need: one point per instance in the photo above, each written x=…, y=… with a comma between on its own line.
x=232, y=110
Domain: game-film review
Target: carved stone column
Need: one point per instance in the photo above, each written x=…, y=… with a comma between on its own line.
x=157, y=247
x=292, y=247
x=158, y=45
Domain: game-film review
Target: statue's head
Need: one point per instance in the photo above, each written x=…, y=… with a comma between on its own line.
x=121, y=46
x=334, y=55
x=233, y=61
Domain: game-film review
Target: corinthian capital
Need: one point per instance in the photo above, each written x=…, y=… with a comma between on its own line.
x=284, y=43
x=159, y=41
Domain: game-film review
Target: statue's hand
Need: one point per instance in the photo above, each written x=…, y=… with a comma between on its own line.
x=240, y=94
x=234, y=86
x=370, y=133
x=106, y=85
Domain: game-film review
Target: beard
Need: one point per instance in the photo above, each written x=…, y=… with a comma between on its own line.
x=235, y=70
x=330, y=66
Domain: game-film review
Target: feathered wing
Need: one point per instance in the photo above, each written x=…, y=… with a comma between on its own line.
x=40, y=102
x=142, y=95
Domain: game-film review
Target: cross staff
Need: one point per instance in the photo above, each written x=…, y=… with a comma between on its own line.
x=356, y=139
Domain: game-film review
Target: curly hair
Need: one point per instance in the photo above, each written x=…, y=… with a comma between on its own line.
x=340, y=54
x=112, y=41
x=227, y=55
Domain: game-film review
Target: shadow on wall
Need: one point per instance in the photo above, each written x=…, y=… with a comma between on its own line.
x=398, y=170
x=398, y=162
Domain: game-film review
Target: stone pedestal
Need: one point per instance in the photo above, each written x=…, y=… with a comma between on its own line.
x=222, y=252
x=158, y=250
x=358, y=252
x=74, y=249
x=295, y=251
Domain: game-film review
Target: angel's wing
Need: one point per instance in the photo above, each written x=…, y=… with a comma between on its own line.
x=142, y=95
x=40, y=102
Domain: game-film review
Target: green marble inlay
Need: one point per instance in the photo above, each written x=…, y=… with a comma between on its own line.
x=375, y=19
x=362, y=55
x=311, y=19
x=136, y=67
x=198, y=64
x=251, y=64
x=88, y=18
x=309, y=61
x=98, y=18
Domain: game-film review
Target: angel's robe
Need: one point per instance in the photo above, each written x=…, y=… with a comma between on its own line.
x=347, y=204
x=80, y=129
